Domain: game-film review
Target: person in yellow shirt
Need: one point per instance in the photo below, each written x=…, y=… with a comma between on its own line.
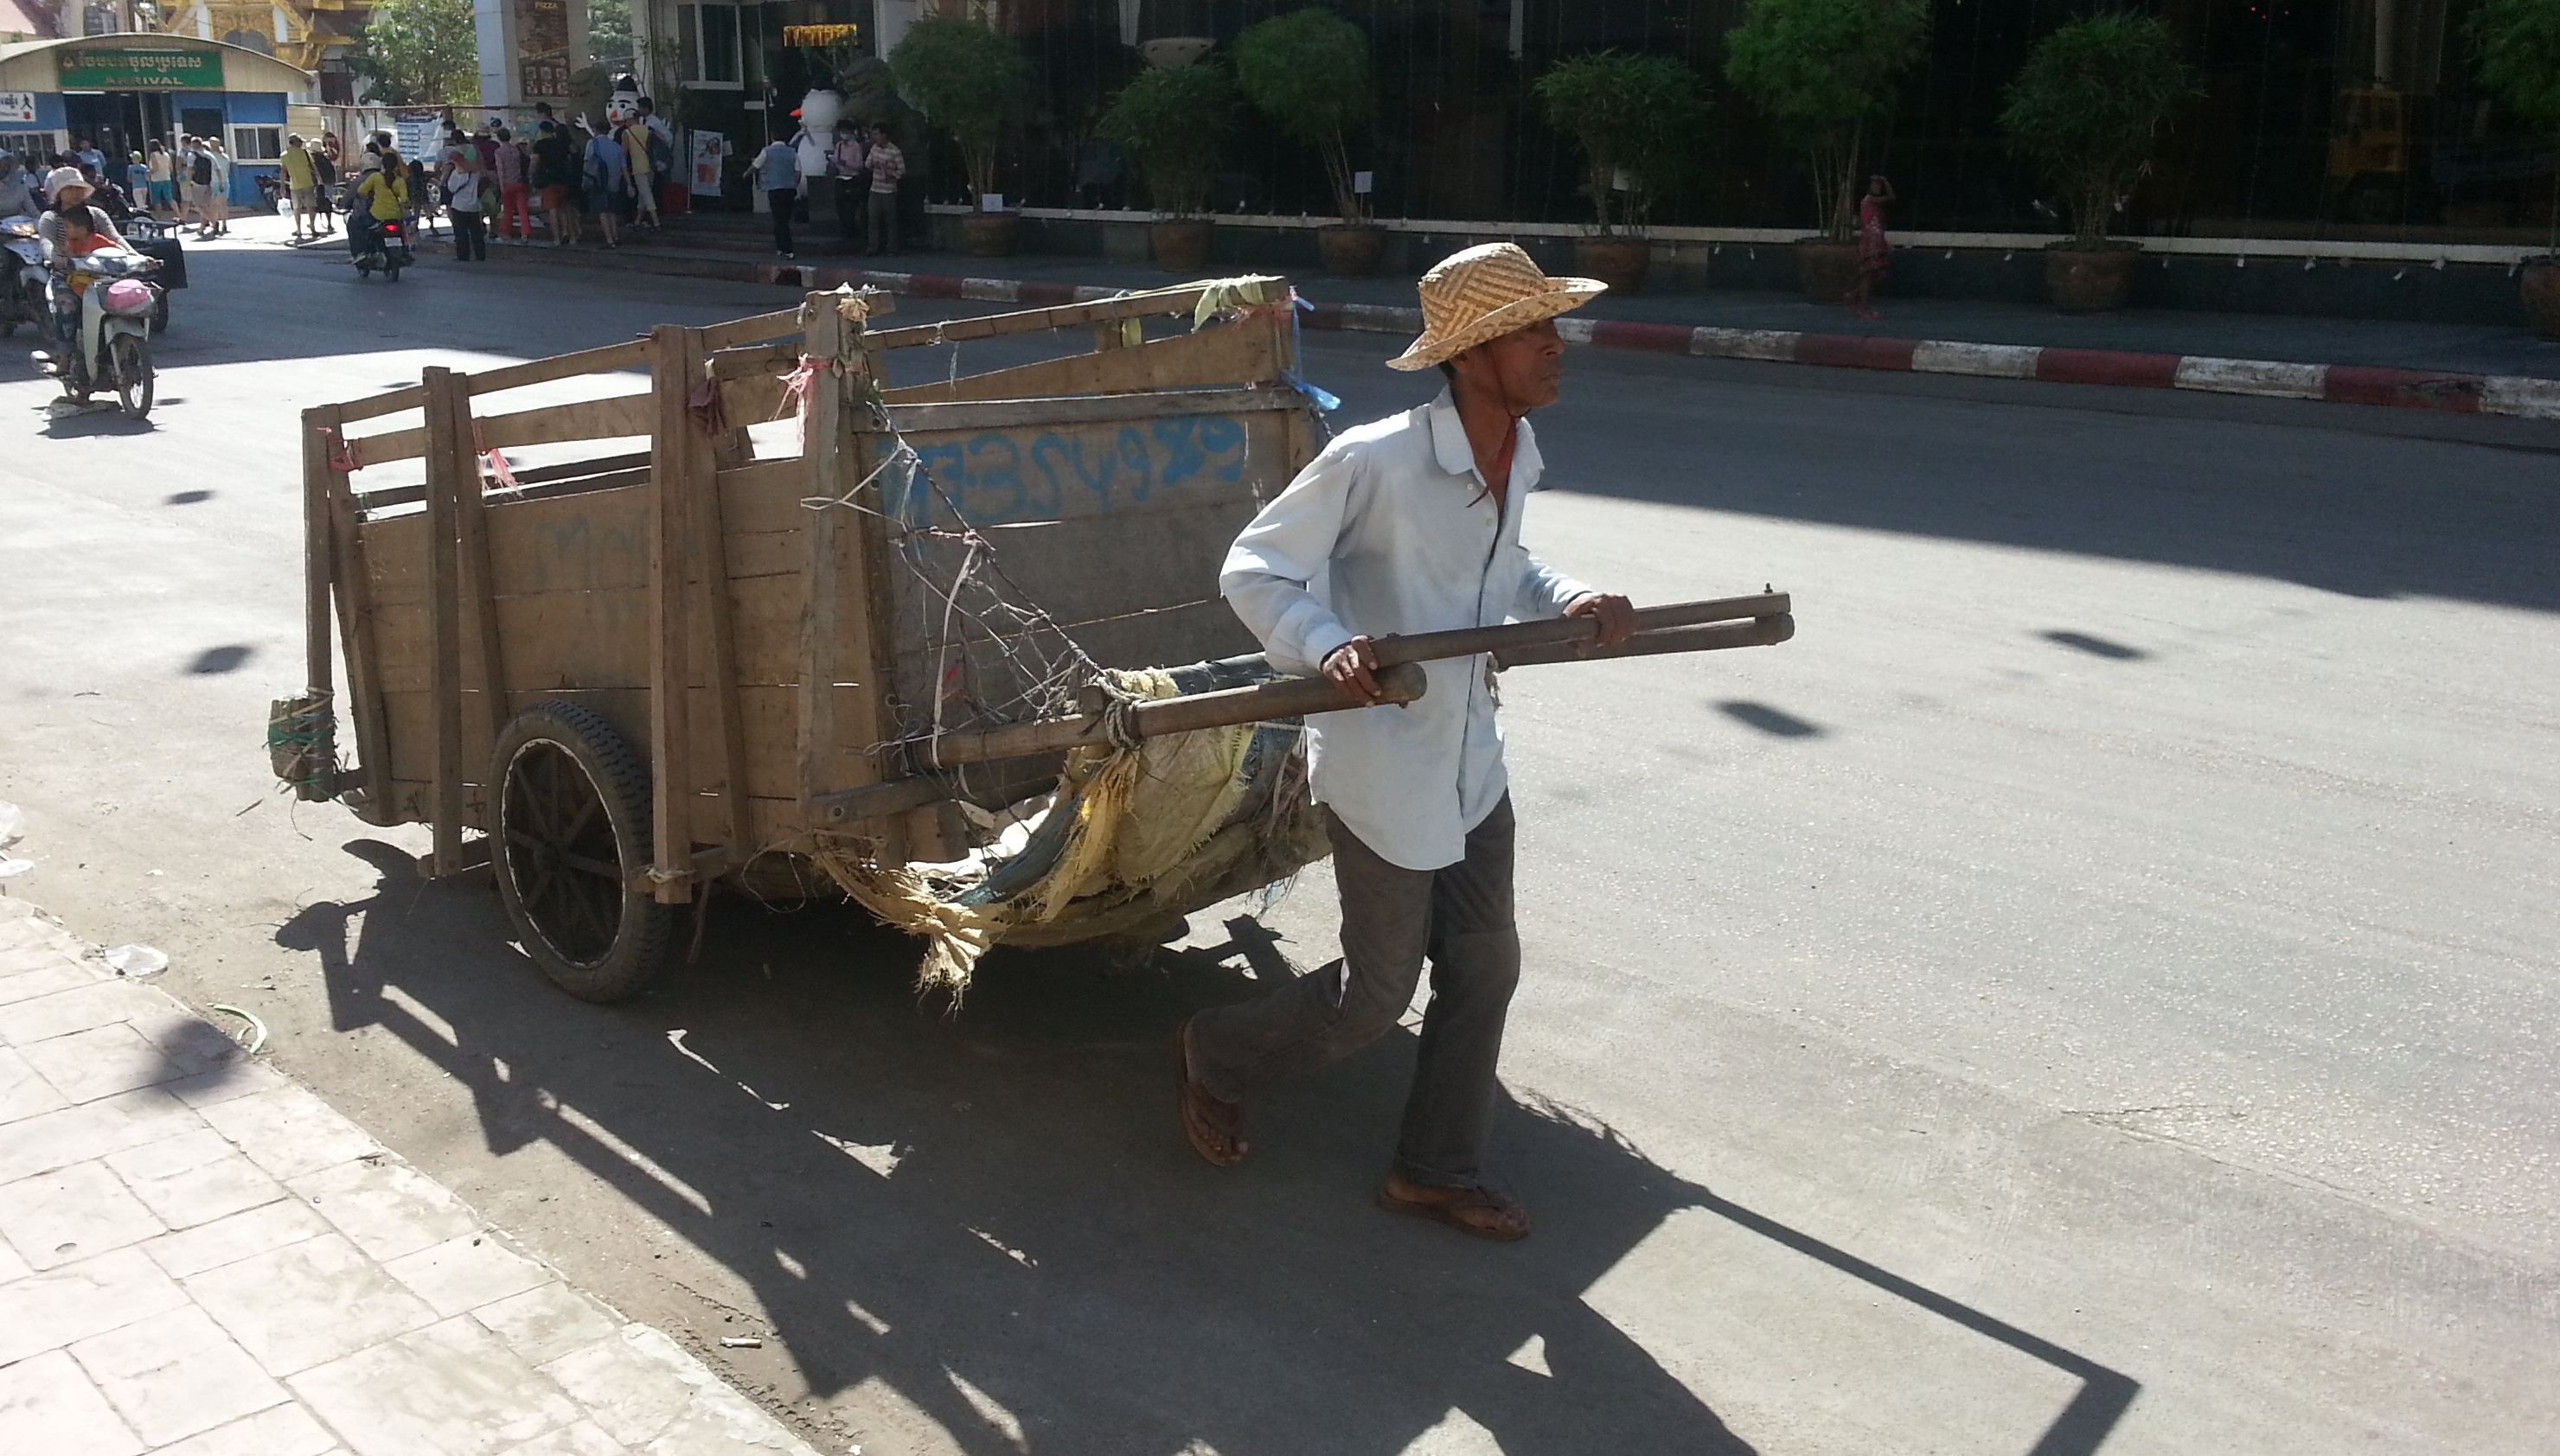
x=644, y=185
x=383, y=195
x=303, y=180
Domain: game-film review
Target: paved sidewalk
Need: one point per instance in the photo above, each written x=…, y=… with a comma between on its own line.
x=198, y=1258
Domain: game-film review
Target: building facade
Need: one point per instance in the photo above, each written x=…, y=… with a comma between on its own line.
x=2314, y=117
x=123, y=90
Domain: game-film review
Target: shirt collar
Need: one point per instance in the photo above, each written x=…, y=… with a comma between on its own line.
x=1454, y=455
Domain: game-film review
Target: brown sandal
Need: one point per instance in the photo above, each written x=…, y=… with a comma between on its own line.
x=1214, y=1125
x=1480, y=1211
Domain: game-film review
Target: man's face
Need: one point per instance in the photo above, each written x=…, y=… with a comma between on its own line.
x=1523, y=370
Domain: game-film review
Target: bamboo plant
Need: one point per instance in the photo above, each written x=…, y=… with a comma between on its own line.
x=1822, y=69
x=2087, y=106
x=1308, y=72
x=1638, y=120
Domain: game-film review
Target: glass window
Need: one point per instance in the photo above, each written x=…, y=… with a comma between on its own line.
x=719, y=45
x=258, y=143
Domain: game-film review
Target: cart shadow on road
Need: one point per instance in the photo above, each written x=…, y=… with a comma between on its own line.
x=990, y=1217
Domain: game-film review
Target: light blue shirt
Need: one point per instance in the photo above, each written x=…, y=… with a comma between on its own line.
x=1391, y=529
x=778, y=168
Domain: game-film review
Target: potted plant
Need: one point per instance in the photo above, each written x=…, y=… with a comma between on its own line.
x=1172, y=122
x=2084, y=110
x=1308, y=72
x=1638, y=120
x=2518, y=43
x=1820, y=69
x=967, y=80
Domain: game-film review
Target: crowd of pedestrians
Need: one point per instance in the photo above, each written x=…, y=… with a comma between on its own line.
x=487, y=183
x=185, y=183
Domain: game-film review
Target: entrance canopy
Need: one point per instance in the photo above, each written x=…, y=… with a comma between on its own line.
x=147, y=63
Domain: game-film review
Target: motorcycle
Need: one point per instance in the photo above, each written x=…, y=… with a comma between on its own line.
x=22, y=276
x=113, y=350
x=383, y=245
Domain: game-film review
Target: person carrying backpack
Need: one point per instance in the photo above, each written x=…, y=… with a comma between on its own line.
x=200, y=188
x=638, y=145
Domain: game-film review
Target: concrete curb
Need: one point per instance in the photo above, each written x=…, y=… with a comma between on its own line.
x=2508, y=394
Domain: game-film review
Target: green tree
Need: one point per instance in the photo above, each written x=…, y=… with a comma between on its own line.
x=609, y=33
x=1820, y=69
x=2518, y=46
x=2087, y=105
x=1308, y=72
x=1637, y=114
x=966, y=79
x=421, y=53
x=1173, y=122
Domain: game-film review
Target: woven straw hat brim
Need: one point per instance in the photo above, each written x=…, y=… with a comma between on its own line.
x=1567, y=295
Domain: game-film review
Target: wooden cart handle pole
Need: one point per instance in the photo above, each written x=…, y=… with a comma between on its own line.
x=1757, y=631
x=1520, y=636
x=1289, y=697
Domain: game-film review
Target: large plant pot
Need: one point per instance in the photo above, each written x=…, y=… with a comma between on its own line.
x=1350, y=252
x=1824, y=270
x=1619, y=262
x=2540, y=286
x=1126, y=242
x=991, y=234
x=2090, y=280
x=1181, y=244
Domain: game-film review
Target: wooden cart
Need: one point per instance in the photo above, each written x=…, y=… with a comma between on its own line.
x=687, y=648
x=602, y=634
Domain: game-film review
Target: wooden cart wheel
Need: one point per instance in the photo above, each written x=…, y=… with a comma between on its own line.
x=573, y=826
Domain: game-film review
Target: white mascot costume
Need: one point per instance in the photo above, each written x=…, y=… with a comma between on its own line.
x=819, y=112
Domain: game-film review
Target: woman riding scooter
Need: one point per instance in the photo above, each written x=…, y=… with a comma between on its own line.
x=381, y=195
x=70, y=227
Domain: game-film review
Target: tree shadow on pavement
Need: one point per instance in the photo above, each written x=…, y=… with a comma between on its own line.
x=993, y=1213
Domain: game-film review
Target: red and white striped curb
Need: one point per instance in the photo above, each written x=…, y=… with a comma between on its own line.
x=2509, y=394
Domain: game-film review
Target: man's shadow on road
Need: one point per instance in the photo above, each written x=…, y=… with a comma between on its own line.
x=993, y=1213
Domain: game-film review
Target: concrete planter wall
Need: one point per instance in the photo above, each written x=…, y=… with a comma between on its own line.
x=2483, y=294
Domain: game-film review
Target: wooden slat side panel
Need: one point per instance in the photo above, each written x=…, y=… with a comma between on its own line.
x=1037, y=472
x=766, y=714
x=765, y=496
x=1232, y=355
x=1117, y=530
x=611, y=418
x=597, y=540
x=775, y=820
x=598, y=639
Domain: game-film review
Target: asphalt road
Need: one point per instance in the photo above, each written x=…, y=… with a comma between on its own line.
x=2094, y=989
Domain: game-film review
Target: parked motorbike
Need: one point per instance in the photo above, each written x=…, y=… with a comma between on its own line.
x=22, y=276
x=383, y=245
x=113, y=348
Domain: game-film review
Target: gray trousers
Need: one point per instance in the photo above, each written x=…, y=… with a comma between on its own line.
x=1460, y=916
x=884, y=223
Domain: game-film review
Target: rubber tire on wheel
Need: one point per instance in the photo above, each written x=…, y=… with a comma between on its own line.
x=597, y=941
x=160, y=314
x=392, y=271
x=364, y=269
x=134, y=379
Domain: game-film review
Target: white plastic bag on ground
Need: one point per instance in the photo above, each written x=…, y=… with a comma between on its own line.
x=136, y=961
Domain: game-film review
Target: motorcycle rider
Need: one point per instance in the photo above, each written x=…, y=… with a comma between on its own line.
x=382, y=196
x=17, y=189
x=70, y=227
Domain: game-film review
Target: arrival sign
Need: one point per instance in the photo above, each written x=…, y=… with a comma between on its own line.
x=139, y=68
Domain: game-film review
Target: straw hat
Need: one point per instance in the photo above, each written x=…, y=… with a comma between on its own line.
x=63, y=179
x=1485, y=292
